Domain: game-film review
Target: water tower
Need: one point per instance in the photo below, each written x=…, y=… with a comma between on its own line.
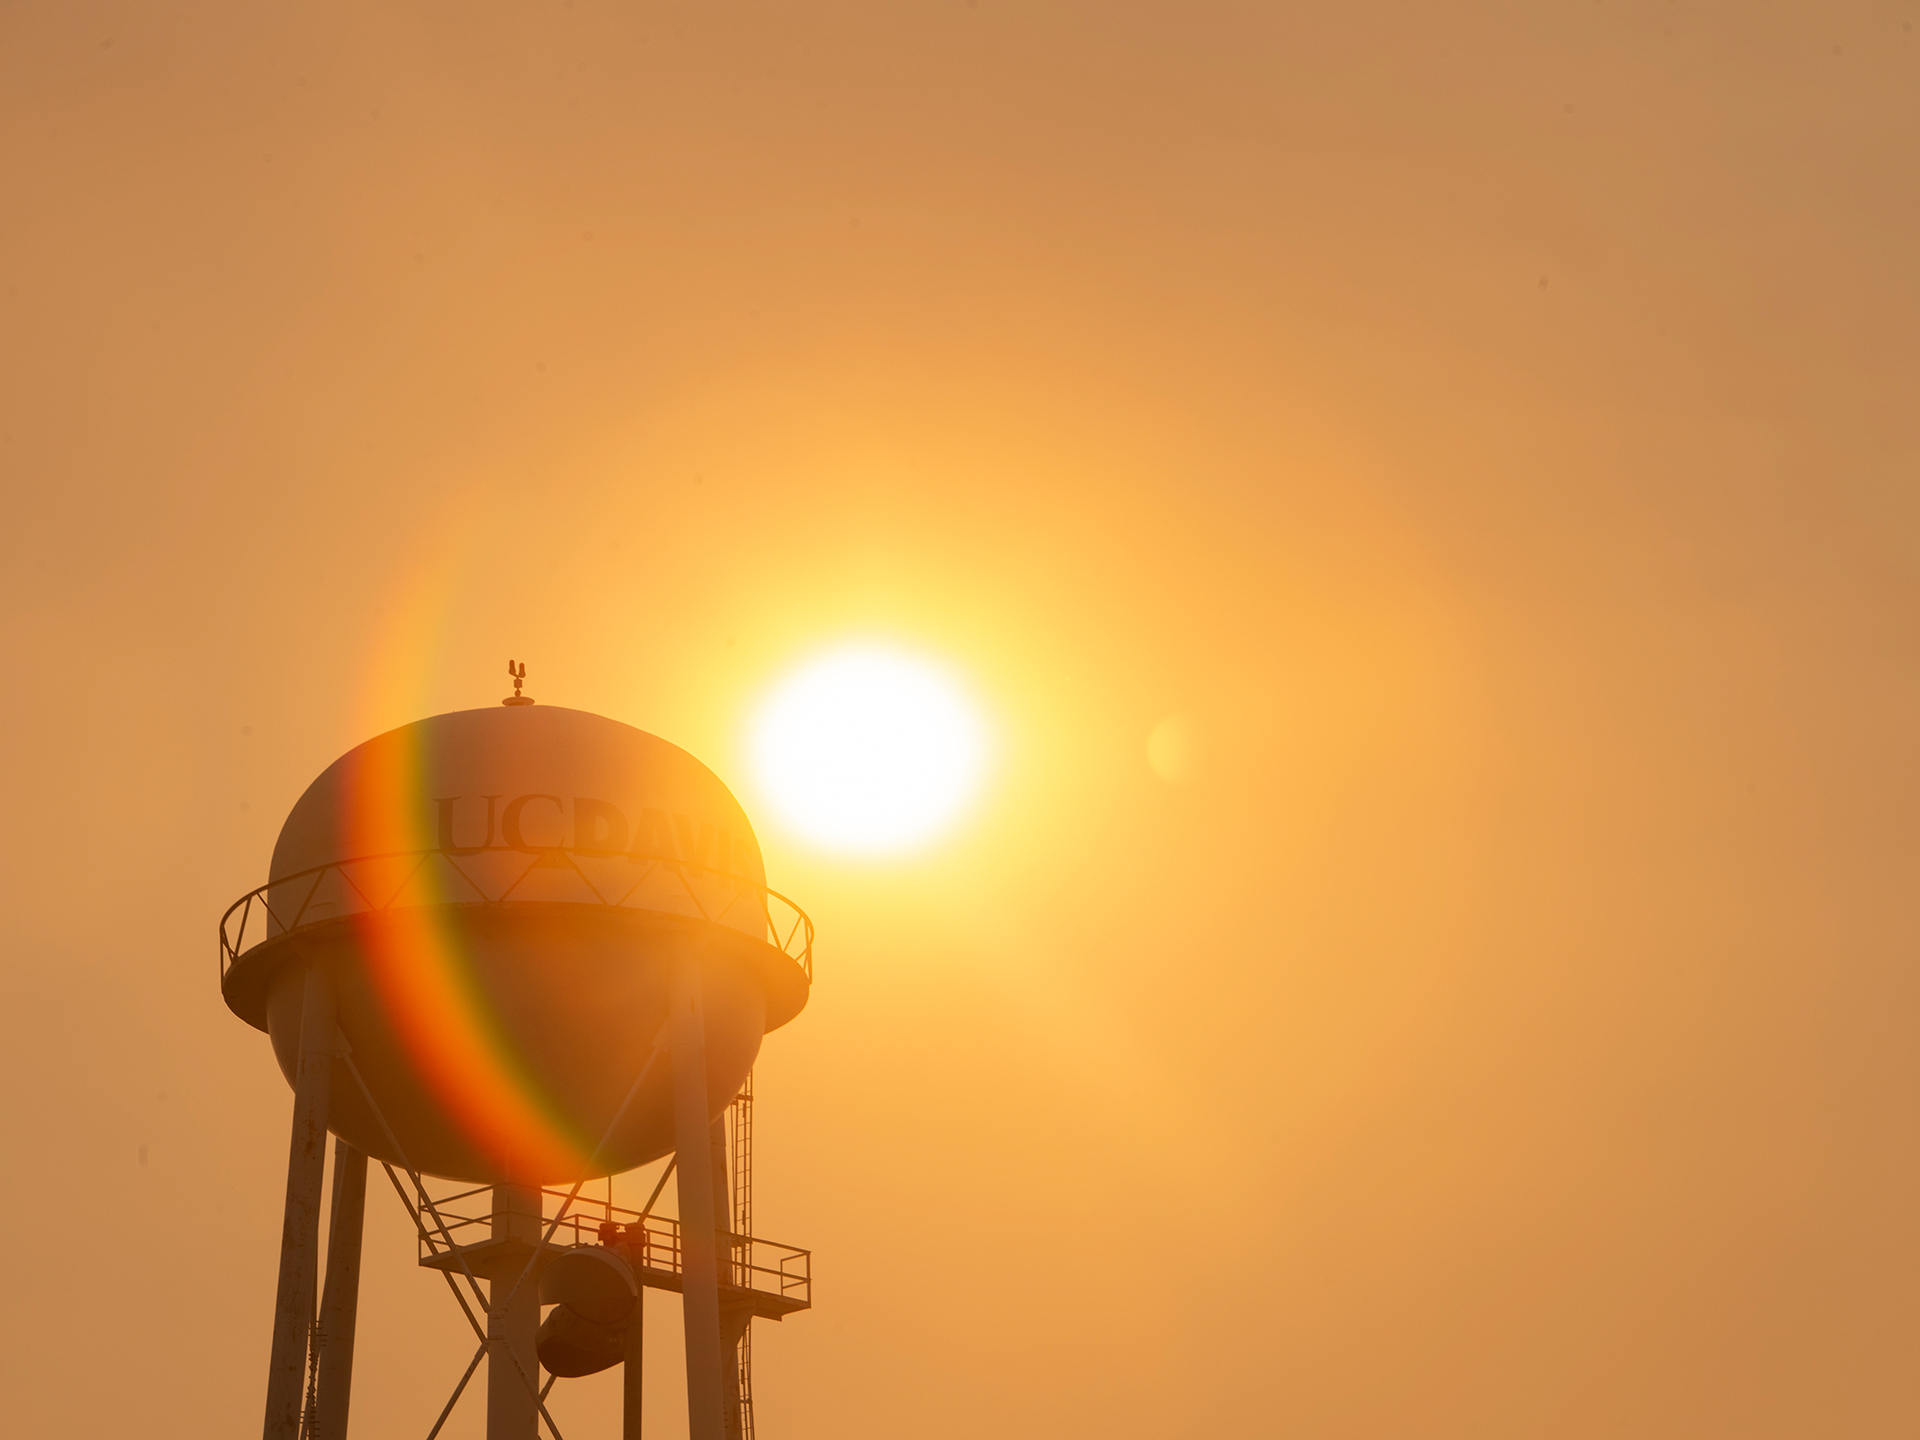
x=522, y=948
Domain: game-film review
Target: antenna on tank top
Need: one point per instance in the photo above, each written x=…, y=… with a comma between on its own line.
x=518, y=673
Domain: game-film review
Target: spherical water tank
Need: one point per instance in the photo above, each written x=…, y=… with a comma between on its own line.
x=502, y=899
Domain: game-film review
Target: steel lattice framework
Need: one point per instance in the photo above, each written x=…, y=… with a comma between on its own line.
x=758, y=1278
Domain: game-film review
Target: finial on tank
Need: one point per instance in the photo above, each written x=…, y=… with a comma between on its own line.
x=518, y=675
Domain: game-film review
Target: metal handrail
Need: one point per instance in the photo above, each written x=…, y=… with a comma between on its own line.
x=797, y=924
x=746, y=1261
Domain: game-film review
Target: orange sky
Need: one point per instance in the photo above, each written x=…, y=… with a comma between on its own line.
x=1492, y=424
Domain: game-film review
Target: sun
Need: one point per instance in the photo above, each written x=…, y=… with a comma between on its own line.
x=867, y=749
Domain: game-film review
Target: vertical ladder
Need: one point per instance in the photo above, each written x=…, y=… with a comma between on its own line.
x=742, y=1227
x=743, y=1159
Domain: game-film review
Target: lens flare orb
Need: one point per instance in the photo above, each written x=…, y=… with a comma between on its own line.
x=869, y=750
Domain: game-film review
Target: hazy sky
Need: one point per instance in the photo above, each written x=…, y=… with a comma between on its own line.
x=1492, y=425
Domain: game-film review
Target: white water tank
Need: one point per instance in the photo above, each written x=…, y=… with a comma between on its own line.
x=501, y=898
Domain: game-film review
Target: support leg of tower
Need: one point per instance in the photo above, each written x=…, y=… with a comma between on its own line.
x=632, y=1372
x=700, y=1295
x=300, y=1227
x=512, y=1411
x=340, y=1296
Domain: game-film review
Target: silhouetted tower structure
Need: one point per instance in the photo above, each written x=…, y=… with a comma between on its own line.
x=515, y=949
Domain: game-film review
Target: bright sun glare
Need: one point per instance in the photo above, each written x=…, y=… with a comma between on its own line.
x=867, y=749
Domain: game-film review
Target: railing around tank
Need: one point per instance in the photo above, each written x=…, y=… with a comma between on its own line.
x=285, y=903
x=652, y=1241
